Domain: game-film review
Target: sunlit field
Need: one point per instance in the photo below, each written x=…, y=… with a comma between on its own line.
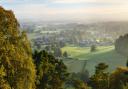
x=83, y=53
x=84, y=58
x=63, y=44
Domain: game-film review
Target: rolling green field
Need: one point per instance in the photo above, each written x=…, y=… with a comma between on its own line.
x=82, y=56
x=83, y=53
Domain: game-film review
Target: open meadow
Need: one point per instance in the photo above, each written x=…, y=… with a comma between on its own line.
x=86, y=60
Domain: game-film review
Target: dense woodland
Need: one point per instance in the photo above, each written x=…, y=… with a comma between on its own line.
x=121, y=45
x=20, y=68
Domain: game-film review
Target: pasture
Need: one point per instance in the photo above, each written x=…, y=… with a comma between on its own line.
x=83, y=59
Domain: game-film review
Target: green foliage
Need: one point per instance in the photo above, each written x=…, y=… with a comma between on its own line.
x=127, y=63
x=93, y=48
x=125, y=86
x=80, y=85
x=65, y=54
x=3, y=82
x=15, y=54
x=100, y=80
x=75, y=83
x=51, y=72
x=17, y=70
x=101, y=67
x=121, y=45
x=83, y=75
x=119, y=78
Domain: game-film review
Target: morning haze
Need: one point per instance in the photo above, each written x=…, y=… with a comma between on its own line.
x=69, y=10
x=63, y=44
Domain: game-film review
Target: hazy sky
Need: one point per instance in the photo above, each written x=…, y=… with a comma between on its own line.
x=68, y=10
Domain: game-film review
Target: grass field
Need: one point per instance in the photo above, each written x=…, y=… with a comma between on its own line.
x=83, y=53
x=105, y=54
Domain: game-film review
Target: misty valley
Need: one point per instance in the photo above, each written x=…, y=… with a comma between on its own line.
x=72, y=43
x=63, y=44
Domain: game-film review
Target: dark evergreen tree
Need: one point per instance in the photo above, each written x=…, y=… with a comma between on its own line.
x=100, y=80
x=121, y=45
x=65, y=54
x=93, y=48
x=127, y=63
x=51, y=72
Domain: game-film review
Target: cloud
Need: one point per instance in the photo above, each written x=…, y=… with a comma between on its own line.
x=90, y=1
x=42, y=11
x=78, y=10
x=69, y=1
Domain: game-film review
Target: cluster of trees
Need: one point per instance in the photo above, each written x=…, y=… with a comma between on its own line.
x=19, y=68
x=22, y=69
x=102, y=79
x=51, y=72
x=48, y=39
x=105, y=80
x=121, y=45
x=56, y=51
x=93, y=48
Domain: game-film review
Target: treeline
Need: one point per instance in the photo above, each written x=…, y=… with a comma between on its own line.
x=121, y=45
x=105, y=80
x=22, y=69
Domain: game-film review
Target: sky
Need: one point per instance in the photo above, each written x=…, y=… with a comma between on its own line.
x=68, y=10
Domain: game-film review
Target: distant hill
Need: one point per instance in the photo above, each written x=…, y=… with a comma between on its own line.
x=114, y=29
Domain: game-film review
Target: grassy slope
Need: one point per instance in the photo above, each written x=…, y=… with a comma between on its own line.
x=83, y=53
x=103, y=54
